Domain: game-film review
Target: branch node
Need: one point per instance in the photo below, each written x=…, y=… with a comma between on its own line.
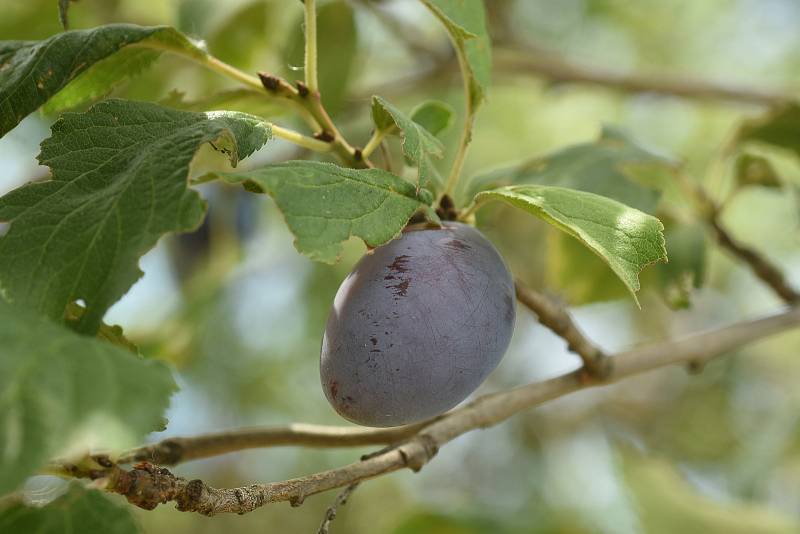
x=270, y=82
x=302, y=89
x=325, y=136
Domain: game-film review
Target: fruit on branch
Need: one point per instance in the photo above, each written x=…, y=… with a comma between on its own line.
x=417, y=326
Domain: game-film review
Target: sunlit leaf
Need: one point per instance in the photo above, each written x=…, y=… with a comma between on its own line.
x=627, y=239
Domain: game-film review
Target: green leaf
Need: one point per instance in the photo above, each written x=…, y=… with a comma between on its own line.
x=244, y=100
x=79, y=510
x=418, y=143
x=627, y=239
x=244, y=33
x=779, y=127
x=119, y=182
x=53, y=381
x=686, y=243
x=35, y=71
x=613, y=166
x=752, y=170
x=434, y=116
x=337, y=44
x=465, y=21
x=324, y=205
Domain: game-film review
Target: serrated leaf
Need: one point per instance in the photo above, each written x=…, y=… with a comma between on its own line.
x=418, y=143
x=35, y=71
x=53, y=380
x=119, y=182
x=780, y=127
x=755, y=170
x=79, y=510
x=627, y=239
x=613, y=166
x=337, y=44
x=434, y=116
x=465, y=21
x=324, y=205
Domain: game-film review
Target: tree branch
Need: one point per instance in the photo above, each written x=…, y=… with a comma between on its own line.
x=330, y=513
x=764, y=269
x=147, y=485
x=559, y=70
x=173, y=451
x=557, y=319
x=310, y=101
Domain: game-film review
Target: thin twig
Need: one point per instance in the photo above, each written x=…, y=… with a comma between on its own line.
x=330, y=513
x=763, y=268
x=148, y=486
x=557, y=319
x=173, y=451
x=311, y=102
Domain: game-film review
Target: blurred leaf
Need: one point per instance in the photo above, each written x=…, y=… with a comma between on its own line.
x=79, y=511
x=755, y=170
x=465, y=21
x=244, y=100
x=627, y=239
x=438, y=523
x=434, y=116
x=685, y=271
x=418, y=143
x=37, y=70
x=613, y=166
x=779, y=127
x=337, y=44
x=668, y=504
x=53, y=380
x=243, y=34
x=119, y=183
x=324, y=205
x=111, y=333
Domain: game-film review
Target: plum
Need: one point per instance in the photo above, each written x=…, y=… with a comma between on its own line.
x=417, y=326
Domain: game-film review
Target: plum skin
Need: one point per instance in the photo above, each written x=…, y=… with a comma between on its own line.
x=417, y=326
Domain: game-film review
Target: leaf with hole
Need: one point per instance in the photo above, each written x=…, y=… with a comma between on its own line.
x=119, y=182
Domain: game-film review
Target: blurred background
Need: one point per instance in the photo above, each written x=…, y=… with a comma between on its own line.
x=239, y=313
